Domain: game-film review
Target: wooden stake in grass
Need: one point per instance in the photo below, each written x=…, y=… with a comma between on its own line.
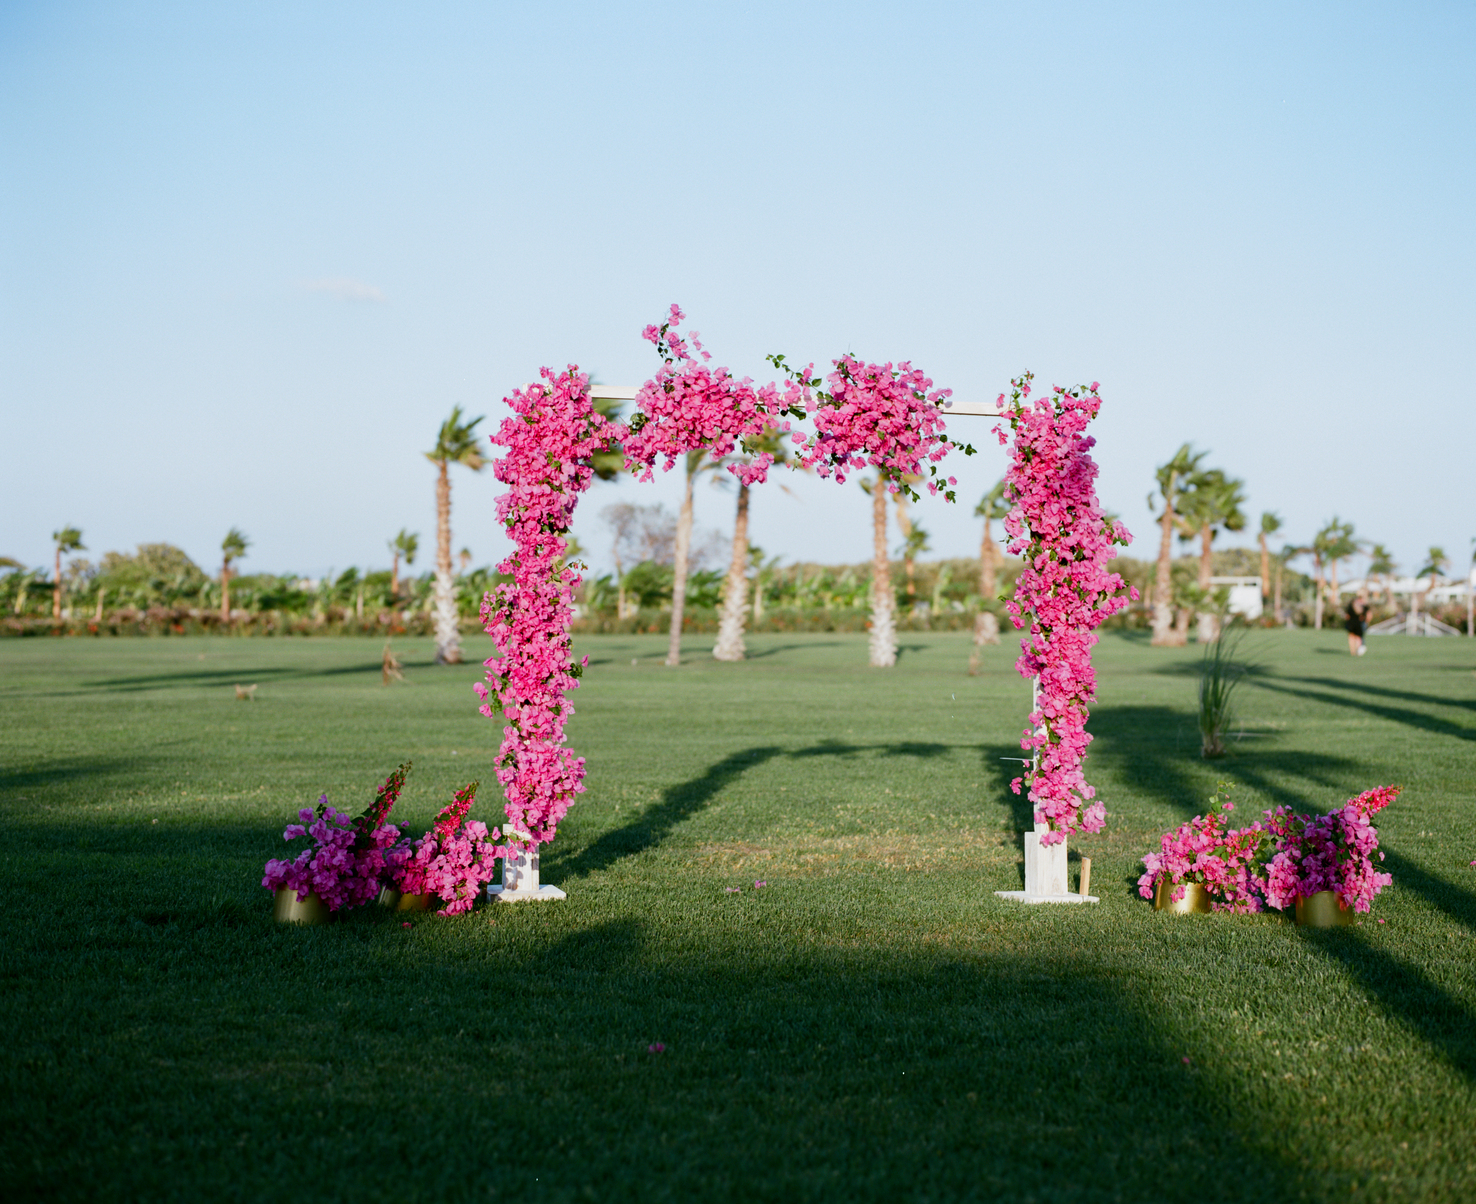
x=390, y=669
x=1086, y=877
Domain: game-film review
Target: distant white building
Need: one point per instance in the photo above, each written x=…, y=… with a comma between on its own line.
x=1245, y=594
x=1449, y=591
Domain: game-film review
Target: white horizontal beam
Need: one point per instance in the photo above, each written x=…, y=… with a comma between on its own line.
x=614, y=392
x=973, y=409
x=950, y=406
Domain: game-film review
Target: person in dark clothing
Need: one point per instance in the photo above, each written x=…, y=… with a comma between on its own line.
x=1357, y=624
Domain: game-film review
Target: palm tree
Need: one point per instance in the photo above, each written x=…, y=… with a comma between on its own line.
x=1470, y=598
x=914, y=544
x=698, y=462
x=1212, y=503
x=232, y=547
x=1172, y=478
x=1436, y=562
x=1270, y=524
x=68, y=539
x=1333, y=543
x=1381, y=565
x=455, y=444
x=883, y=602
x=404, y=544
x=1288, y=553
x=622, y=518
x=763, y=572
x=1339, y=549
x=986, y=626
x=730, y=645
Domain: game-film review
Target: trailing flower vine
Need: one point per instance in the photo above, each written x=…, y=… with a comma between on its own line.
x=688, y=405
x=550, y=438
x=874, y=414
x=1063, y=593
x=454, y=859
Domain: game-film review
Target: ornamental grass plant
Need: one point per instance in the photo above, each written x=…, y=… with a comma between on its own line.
x=1219, y=674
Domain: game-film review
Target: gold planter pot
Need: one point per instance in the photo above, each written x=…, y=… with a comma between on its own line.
x=287, y=909
x=1196, y=898
x=397, y=901
x=1322, y=910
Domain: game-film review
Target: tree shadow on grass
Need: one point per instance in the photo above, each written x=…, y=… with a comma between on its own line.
x=913, y=1052
x=1368, y=688
x=651, y=827
x=1146, y=763
x=783, y=1069
x=1002, y=764
x=224, y=677
x=902, y=748
x=775, y=651
x=683, y=800
x=58, y=772
x=1406, y=994
x=1393, y=714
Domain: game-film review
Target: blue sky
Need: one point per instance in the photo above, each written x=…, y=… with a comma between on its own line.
x=251, y=255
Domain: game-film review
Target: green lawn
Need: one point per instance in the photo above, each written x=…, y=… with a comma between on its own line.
x=873, y=1023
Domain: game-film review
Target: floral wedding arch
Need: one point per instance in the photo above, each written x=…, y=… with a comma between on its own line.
x=882, y=416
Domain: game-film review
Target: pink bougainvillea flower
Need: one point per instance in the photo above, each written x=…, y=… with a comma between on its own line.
x=878, y=415
x=656, y=1047
x=553, y=433
x=732, y=890
x=756, y=885
x=407, y=924
x=1063, y=594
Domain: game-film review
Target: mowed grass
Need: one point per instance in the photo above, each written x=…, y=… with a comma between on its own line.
x=873, y=1023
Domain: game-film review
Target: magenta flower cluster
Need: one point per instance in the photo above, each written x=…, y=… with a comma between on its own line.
x=688, y=405
x=343, y=867
x=1275, y=862
x=878, y=416
x=1063, y=593
x=1329, y=852
x=550, y=437
x=454, y=860
x=1226, y=862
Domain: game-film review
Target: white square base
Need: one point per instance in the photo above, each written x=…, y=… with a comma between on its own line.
x=1024, y=896
x=539, y=894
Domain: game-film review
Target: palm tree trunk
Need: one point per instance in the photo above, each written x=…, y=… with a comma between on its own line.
x=225, y=591
x=101, y=594
x=883, y=601
x=448, y=635
x=986, y=626
x=679, y=573
x=730, y=646
x=395, y=578
x=1163, y=586
x=1265, y=569
x=1317, y=605
x=619, y=589
x=1209, y=627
